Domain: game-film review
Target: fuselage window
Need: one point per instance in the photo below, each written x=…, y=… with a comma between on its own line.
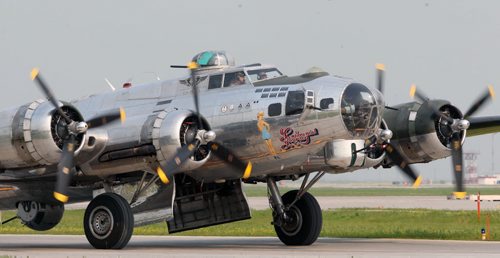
x=325, y=103
x=234, y=79
x=295, y=103
x=274, y=109
x=215, y=81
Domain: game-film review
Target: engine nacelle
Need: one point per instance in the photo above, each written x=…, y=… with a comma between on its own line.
x=418, y=135
x=39, y=216
x=32, y=134
x=174, y=129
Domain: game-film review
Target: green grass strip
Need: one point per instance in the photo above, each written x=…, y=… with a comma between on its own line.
x=259, y=191
x=344, y=223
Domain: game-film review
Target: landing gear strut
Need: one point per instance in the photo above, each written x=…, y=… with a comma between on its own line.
x=297, y=216
x=108, y=222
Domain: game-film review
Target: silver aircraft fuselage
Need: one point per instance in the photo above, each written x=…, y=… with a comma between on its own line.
x=232, y=113
x=283, y=125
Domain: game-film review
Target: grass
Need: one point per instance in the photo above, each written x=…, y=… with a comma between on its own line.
x=259, y=191
x=344, y=223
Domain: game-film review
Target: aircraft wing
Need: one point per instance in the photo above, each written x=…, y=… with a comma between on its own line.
x=483, y=125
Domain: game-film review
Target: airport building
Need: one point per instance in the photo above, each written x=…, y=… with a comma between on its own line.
x=489, y=180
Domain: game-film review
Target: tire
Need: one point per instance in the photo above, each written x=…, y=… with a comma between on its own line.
x=46, y=219
x=108, y=222
x=307, y=221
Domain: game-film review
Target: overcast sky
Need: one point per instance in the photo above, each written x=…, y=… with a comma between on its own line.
x=450, y=49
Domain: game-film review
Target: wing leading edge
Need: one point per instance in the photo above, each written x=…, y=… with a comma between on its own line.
x=483, y=125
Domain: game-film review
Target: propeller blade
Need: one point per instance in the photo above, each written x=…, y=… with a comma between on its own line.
x=168, y=170
x=422, y=97
x=107, y=118
x=457, y=159
x=401, y=162
x=416, y=93
x=192, y=67
x=481, y=101
x=35, y=76
x=65, y=169
x=380, y=77
x=229, y=157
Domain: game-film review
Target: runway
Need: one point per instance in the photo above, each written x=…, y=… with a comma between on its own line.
x=377, y=202
x=180, y=246
x=175, y=246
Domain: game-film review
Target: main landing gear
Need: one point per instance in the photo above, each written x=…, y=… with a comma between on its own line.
x=108, y=222
x=297, y=216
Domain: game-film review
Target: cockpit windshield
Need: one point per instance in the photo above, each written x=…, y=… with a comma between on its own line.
x=361, y=110
x=264, y=74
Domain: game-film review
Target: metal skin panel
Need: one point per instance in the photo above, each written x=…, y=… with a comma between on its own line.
x=10, y=157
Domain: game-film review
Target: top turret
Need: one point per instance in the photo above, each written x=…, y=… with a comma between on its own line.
x=213, y=59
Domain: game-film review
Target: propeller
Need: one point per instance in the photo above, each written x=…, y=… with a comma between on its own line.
x=391, y=151
x=203, y=137
x=66, y=165
x=456, y=126
x=403, y=165
x=380, y=77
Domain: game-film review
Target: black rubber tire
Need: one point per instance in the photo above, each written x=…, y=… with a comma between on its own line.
x=47, y=219
x=312, y=220
x=109, y=207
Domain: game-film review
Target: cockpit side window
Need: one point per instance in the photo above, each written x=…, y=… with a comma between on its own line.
x=264, y=74
x=295, y=103
x=235, y=79
x=215, y=81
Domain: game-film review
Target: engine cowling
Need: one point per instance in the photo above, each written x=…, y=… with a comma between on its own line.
x=174, y=129
x=419, y=135
x=32, y=134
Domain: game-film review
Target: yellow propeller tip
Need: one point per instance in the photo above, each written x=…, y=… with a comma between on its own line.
x=459, y=195
x=61, y=197
x=413, y=90
x=34, y=73
x=491, y=90
x=192, y=65
x=162, y=175
x=380, y=67
x=123, y=115
x=248, y=171
x=417, y=182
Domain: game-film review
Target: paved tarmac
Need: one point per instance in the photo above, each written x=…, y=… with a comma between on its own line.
x=403, y=202
x=179, y=246
x=175, y=246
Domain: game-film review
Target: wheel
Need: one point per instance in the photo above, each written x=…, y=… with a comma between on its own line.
x=108, y=222
x=40, y=216
x=304, y=220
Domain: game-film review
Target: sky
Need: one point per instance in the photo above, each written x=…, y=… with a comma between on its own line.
x=449, y=49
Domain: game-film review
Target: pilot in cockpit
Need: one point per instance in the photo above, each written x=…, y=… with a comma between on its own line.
x=239, y=79
x=261, y=76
